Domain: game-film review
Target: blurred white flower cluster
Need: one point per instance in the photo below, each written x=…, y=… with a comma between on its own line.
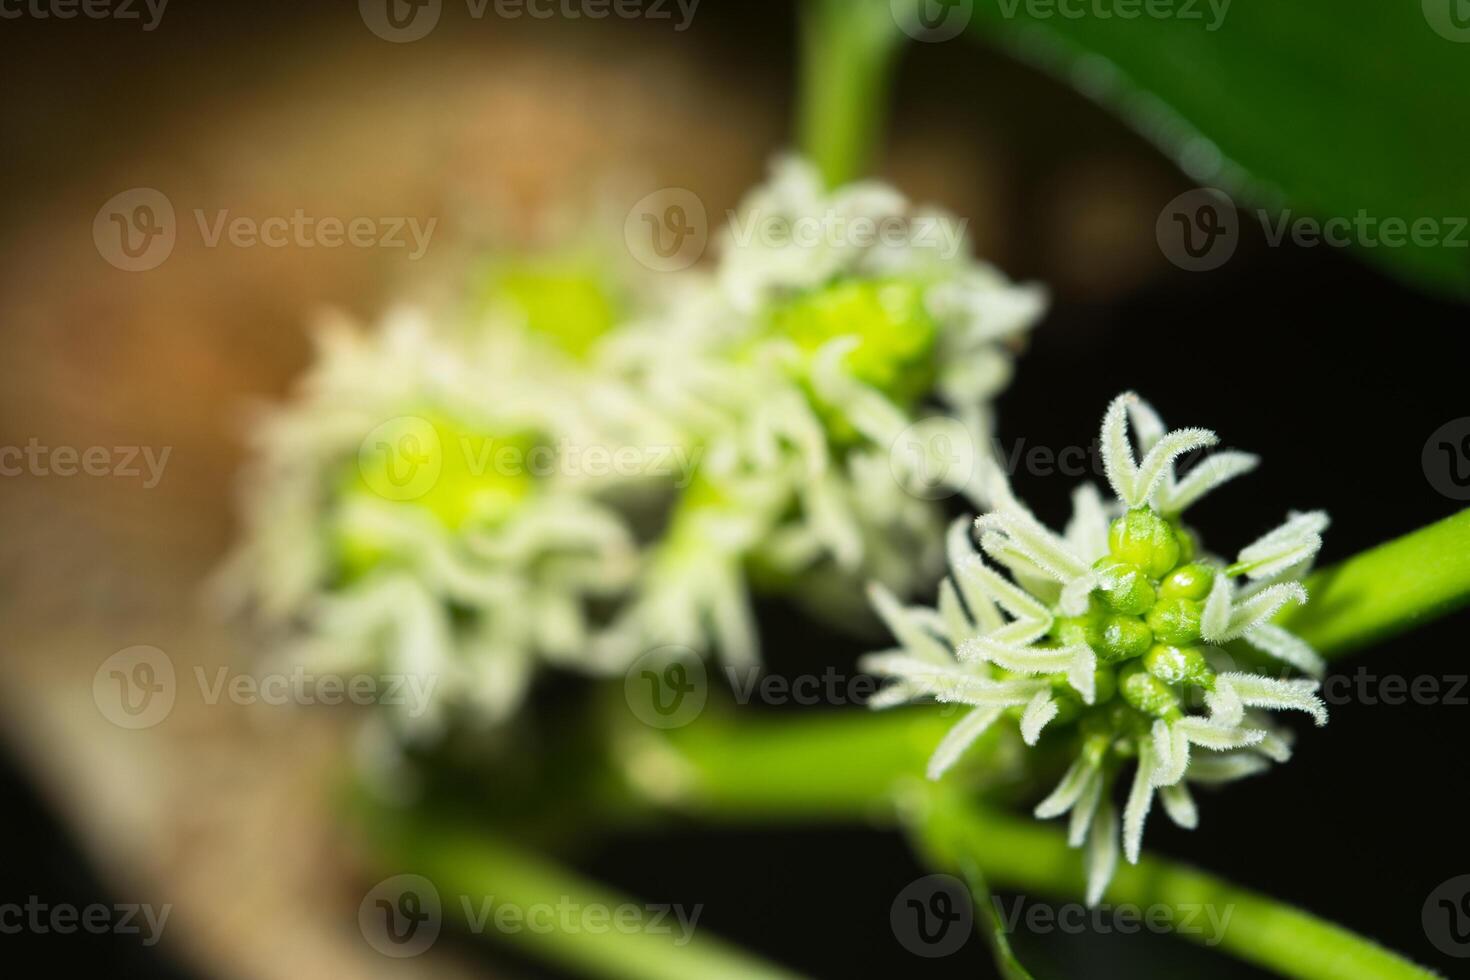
x=576, y=467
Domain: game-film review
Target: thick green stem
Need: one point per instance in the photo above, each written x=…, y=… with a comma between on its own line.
x=829, y=766
x=470, y=867
x=1022, y=853
x=847, y=49
x=1388, y=589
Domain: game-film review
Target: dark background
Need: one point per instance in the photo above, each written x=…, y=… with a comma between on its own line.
x=1333, y=373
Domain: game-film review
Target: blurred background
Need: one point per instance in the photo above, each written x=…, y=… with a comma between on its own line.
x=1334, y=370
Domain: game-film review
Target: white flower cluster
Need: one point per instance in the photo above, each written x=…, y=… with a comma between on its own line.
x=795, y=365
x=383, y=531
x=1104, y=632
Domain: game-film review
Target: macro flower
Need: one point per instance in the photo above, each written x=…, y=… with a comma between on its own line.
x=407, y=513
x=1112, y=636
x=795, y=366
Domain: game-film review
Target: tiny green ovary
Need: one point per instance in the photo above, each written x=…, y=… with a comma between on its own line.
x=482, y=480
x=568, y=302
x=896, y=334
x=1143, y=622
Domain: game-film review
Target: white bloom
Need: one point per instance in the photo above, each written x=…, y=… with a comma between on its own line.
x=1109, y=631
x=397, y=521
x=795, y=367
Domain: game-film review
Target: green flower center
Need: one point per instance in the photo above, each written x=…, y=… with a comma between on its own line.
x=459, y=476
x=569, y=302
x=896, y=334
x=1143, y=620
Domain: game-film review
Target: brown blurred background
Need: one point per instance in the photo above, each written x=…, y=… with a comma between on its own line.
x=495, y=128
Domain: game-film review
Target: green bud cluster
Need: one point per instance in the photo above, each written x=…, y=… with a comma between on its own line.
x=1143, y=619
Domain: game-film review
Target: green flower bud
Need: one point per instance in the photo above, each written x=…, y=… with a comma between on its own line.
x=1146, y=692
x=1188, y=543
x=1074, y=630
x=1179, y=665
x=1188, y=582
x=1124, y=587
x=1124, y=637
x=1176, y=620
x=1145, y=539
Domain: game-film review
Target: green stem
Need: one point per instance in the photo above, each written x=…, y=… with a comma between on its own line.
x=1388, y=589
x=819, y=767
x=1024, y=854
x=847, y=49
x=464, y=861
